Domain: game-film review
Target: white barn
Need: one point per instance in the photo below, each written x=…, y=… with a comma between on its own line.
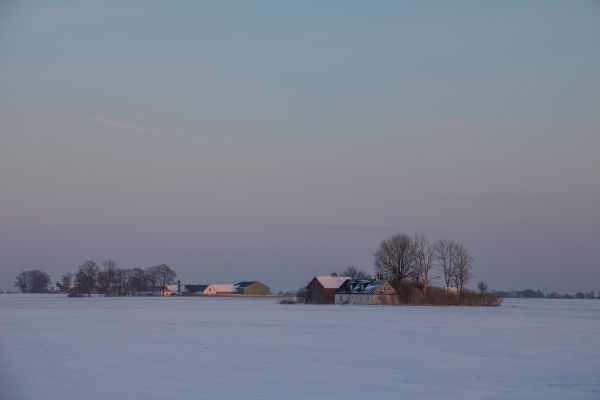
x=366, y=291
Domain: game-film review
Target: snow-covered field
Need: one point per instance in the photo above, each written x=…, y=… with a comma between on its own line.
x=52, y=347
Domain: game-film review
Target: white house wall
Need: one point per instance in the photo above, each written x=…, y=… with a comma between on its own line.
x=353, y=299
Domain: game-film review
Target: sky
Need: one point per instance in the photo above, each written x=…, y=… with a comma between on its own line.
x=274, y=141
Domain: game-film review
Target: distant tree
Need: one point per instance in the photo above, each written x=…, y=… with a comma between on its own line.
x=579, y=295
x=65, y=281
x=530, y=294
x=154, y=279
x=354, y=273
x=110, y=280
x=424, y=257
x=139, y=281
x=302, y=295
x=101, y=284
x=483, y=288
x=22, y=282
x=41, y=281
x=165, y=275
x=395, y=260
x=122, y=282
x=34, y=281
x=85, y=278
x=462, y=267
x=107, y=277
x=137, y=278
x=444, y=253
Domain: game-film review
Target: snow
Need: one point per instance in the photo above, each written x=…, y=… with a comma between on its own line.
x=332, y=282
x=360, y=286
x=53, y=347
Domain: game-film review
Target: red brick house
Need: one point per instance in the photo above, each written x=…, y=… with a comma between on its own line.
x=321, y=290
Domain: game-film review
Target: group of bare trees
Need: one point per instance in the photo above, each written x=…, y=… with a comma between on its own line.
x=110, y=280
x=407, y=261
x=34, y=281
x=354, y=273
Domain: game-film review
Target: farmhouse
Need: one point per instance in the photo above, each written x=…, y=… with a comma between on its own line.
x=321, y=289
x=366, y=291
x=252, y=288
x=220, y=290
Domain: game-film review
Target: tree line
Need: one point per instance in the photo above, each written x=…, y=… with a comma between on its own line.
x=538, y=294
x=34, y=281
x=106, y=279
x=412, y=264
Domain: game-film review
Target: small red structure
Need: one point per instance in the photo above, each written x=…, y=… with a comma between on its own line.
x=321, y=290
x=170, y=290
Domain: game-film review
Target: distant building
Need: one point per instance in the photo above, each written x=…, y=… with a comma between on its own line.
x=252, y=288
x=193, y=290
x=451, y=289
x=321, y=289
x=366, y=291
x=220, y=290
x=170, y=290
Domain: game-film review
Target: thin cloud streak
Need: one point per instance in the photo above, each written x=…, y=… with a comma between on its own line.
x=370, y=228
x=113, y=123
x=124, y=125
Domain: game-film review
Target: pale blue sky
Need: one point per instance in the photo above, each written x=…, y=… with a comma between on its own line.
x=277, y=140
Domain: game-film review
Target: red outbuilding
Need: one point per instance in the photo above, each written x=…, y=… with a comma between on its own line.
x=321, y=290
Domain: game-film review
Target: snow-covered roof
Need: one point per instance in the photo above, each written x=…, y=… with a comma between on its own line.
x=332, y=282
x=360, y=286
x=171, y=288
x=222, y=288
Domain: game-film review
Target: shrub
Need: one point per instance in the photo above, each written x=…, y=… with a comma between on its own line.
x=289, y=300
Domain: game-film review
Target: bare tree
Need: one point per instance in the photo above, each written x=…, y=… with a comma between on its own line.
x=164, y=275
x=153, y=279
x=444, y=253
x=107, y=277
x=125, y=282
x=462, y=266
x=395, y=260
x=483, y=288
x=354, y=273
x=22, y=282
x=85, y=278
x=110, y=280
x=65, y=281
x=34, y=281
x=138, y=281
x=424, y=261
x=102, y=283
x=302, y=295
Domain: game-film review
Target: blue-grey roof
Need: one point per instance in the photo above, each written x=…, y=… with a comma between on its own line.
x=360, y=286
x=194, y=288
x=244, y=284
